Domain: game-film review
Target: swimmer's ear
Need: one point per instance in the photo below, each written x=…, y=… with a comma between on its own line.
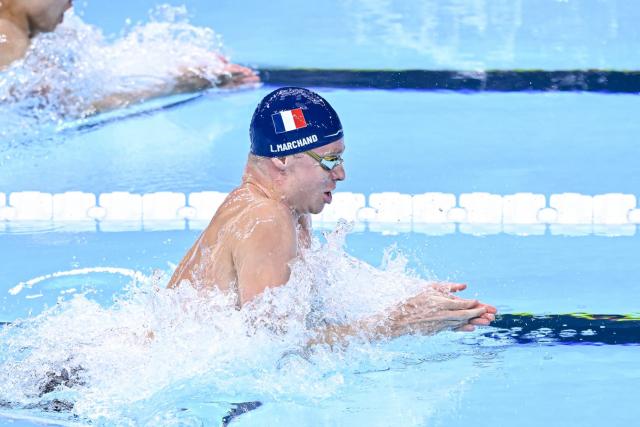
x=280, y=163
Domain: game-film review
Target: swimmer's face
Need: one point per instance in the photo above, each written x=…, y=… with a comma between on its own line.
x=46, y=15
x=312, y=186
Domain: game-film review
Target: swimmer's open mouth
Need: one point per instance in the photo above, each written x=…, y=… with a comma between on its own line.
x=328, y=196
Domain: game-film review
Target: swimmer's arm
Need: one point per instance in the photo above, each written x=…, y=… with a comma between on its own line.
x=188, y=80
x=183, y=270
x=13, y=44
x=427, y=313
x=261, y=257
x=117, y=100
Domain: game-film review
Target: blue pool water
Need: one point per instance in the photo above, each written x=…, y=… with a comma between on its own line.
x=90, y=289
x=450, y=34
x=499, y=143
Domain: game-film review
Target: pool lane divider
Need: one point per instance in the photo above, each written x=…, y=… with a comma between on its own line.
x=610, y=81
x=431, y=213
x=560, y=329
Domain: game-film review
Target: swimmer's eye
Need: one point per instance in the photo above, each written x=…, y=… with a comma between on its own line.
x=328, y=163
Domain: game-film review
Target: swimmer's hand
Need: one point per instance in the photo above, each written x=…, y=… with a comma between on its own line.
x=448, y=288
x=192, y=78
x=435, y=310
x=237, y=75
x=185, y=80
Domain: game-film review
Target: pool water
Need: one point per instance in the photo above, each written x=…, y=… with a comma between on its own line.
x=83, y=291
x=500, y=143
x=449, y=379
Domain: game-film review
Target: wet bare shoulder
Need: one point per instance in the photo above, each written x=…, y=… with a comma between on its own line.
x=268, y=214
x=265, y=247
x=13, y=43
x=251, y=208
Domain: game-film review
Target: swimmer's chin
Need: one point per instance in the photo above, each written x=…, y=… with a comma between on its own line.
x=317, y=210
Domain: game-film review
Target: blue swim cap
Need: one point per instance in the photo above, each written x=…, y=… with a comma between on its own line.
x=291, y=120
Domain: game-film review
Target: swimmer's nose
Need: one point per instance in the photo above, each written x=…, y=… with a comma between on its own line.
x=338, y=173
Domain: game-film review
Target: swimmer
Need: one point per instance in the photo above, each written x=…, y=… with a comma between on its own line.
x=294, y=165
x=22, y=20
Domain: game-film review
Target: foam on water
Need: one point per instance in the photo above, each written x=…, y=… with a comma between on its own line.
x=154, y=351
x=66, y=72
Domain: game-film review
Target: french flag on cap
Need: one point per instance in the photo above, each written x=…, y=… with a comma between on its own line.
x=284, y=121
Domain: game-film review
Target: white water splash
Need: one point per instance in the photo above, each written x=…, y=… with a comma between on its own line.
x=68, y=71
x=156, y=350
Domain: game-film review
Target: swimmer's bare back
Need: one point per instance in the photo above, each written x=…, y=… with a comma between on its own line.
x=247, y=246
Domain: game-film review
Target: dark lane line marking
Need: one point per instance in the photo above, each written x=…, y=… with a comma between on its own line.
x=492, y=80
x=579, y=328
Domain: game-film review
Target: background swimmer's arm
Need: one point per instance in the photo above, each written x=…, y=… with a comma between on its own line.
x=123, y=99
x=13, y=44
x=261, y=257
x=188, y=80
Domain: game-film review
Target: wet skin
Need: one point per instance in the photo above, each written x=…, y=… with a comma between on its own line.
x=21, y=20
x=264, y=224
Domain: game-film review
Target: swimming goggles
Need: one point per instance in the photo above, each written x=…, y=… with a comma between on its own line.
x=328, y=163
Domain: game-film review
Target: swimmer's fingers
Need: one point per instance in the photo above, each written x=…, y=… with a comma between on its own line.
x=190, y=79
x=237, y=70
x=489, y=316
x=463, y=315
x=221, y=58
x=459, y=304
x=483, y=320
x=480, y=321
x=427, y=302
x=238, y=75
x=448, y=287
x=490, y=309
x=477, y=321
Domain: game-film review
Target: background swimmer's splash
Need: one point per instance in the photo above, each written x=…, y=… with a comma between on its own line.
x=68, y=72
x=123, y=364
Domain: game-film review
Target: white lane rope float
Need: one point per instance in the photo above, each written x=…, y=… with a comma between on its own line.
x=478, y=213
